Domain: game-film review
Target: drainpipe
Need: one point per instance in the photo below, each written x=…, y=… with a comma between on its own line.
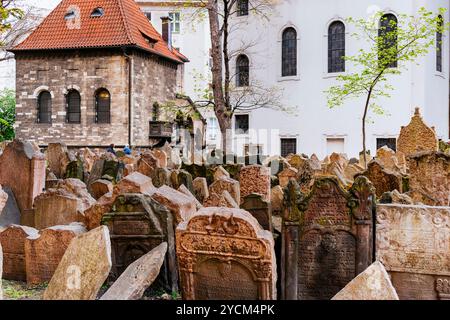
x=130, y=63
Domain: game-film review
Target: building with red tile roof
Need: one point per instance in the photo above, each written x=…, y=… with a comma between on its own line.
x=91, y=74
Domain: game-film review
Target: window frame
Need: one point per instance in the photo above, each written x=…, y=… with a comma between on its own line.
x=394, y=64
x=387, y=144
x=242, y=82
x=287, y=56
x=68, y=111
x=237, y=130
x=281, y=145
x=175, y=17
x=439, y=47
x=332, y=39
x=49, y=108
x=96, y=99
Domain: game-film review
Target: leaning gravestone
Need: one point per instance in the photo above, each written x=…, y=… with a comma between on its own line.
x=138, y=276
x=137, y=225
x=384, y=180
x=12, y=240
x=372, y=284
x=44, y=251
x=259, y=208
x=58, y=158
x=417, y=137
x=75, y=169
x=224, y=254
x=327, y=237
x=83, y=268
x=413, y=243
x=10, y=213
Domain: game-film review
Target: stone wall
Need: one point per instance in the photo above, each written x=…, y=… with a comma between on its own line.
x=86, y=71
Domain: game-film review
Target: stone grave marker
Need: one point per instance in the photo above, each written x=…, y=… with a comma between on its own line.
x=255, y=179
x=10, y=213
x=259, y=208
x=384, y=180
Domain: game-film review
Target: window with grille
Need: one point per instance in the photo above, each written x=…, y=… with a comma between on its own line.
x=73, y=107
x=289, y=53
x=439, y=45
x=212, y=128
x=148, y=15
x=242, y=8
x=388, y=46
x=391, y=143
x=288, y=146
x=336, y=47
x=44, y=107
x=241, y=123
x=102, y=106
x=175, y=23
x=242, y=71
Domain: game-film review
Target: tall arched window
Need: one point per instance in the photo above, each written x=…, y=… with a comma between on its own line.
x=439, y=44
x=44, y=107
x=73, y=106
x=387, y=53
x=336, y=47
x=242, y=71
x=289, y=53
x=102, y=106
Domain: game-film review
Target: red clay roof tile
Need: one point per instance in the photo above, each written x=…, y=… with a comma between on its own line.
x=122, y=24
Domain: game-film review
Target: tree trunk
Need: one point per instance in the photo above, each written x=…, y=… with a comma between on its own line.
x=366, y=109
x=220, y=105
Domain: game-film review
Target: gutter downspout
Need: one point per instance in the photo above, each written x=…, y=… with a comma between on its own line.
x=130, y=63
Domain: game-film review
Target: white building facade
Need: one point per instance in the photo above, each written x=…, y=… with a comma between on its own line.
x=314, y=127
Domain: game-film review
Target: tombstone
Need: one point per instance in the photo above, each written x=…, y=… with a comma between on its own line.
x=429, y=180
x=372, y=284
x=161, y=177
x=327, y=237
x=44, y=251
x=101, y=187
x=286, y=175
x=201, y=191
x=221, y=200
x=95, y=173
x=161, y=157
x=139, y=275
x=185, y=178
x=3, y=199
x=384, y=180
x=395, y=197
x=259, y=208
x=391, y=160
x=89, y=158
x=25, y=174
x=276, y=199
x=137, y=225
x=12, y=239
x=226, y=184
x=75, y=169
x=224, y=254
x=220, y=172
x=417, y=137
x=93, y=215
x=146, y=164
x=181, y=206
x=255, y=179
x=10, y=213
x=134, y=183
x=83, y=268
x=412, y=242
x=58, y=158
x=120, y=154
x=1, y=272
x=112, y=170
x=189, y=194
x=315, y=163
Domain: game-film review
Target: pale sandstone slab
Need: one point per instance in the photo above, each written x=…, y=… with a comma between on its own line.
x=187, y=193
x=201, y=191
x=83, y=268
x=287, y=174
x=220, y=173
x=138, y=276
x=135, y=183
x=226, y=184
x=372, y=284
x=3, y=199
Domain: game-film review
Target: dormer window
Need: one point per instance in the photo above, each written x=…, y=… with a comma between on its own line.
x=70, y=15
x=97, y=13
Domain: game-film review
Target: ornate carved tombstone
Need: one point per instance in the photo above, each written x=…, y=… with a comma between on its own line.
x=327, y=237
x=224, y=254
x=413, y=243
x=260, y=209
x=137, y=224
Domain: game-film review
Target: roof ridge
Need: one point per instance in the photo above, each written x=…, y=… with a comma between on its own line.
x=125, y=23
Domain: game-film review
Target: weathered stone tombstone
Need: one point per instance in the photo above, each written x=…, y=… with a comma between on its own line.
x=429, y=181
x=161, y=177
x=83, y=268
x=287, y=174
x=44, y=251
x=10, y=214
x=1, y=272
x=112, y=170
x=391, y=160
x=201, y=191
x=95, y=173
x=146, y=164
x=58, y=158
x=417, y=137
x=75, y=169
x=25, y=174
x=185, y=178
x=413, y=244
x=276, y=199
x=226, y=184
x=259, y=208
x=101, y=187
x=327, y=237
x=224, y=254
x=384, y=180
x=138, y=224
x=12, y=240
x=220, y=172
x=254, y=179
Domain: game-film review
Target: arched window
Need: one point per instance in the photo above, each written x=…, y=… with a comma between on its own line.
x=44, y=107
x=242, y=8
x=336, y=47
x=242, y=71
x=387, y=53
x=73, y=106
x=289, y=53
x=102, y=106
x=439, y=44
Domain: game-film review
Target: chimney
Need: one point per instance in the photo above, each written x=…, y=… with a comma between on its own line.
x=166, y=32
